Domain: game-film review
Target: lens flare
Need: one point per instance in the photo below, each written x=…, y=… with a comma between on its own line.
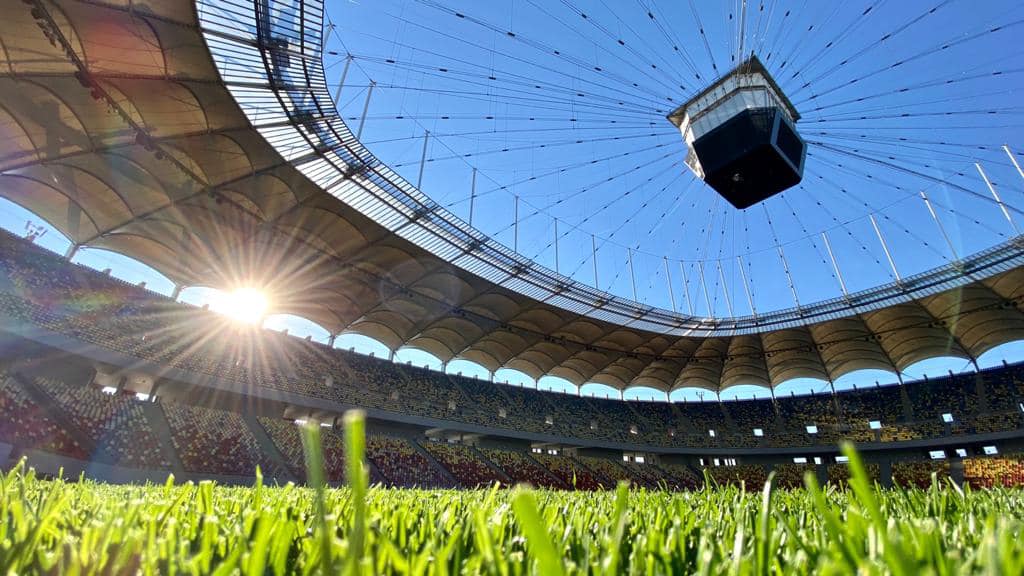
x=246, y=305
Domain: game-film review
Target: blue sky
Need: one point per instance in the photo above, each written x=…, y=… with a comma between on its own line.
x=567, y=114
x=562, y=106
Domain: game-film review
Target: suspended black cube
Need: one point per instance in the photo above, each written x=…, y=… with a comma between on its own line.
x=741, y=136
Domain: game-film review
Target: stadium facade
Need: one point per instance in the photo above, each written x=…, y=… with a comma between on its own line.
x=201, y=139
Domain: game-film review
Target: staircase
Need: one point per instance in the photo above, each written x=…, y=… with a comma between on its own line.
x=908, y=407
x=433, y=462
x=554, y=478
x=162, y=430
x=685, y=426
x=980, y=393
x=729, y=422
x=501, y=473
x=267, y=445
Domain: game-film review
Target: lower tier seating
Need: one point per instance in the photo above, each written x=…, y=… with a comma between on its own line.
x=401, y=465
x=919, y=474
x=115, y=423
x=25, y=424
x=569, y=471
x=287, y=436
x=992, y=471
x=463, y=464
x=521, y=468
x=216, y=442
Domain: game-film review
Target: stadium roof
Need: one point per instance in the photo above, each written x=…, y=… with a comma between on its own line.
x=186, y=141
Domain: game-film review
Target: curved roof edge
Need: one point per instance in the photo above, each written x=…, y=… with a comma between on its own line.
x=277, y=45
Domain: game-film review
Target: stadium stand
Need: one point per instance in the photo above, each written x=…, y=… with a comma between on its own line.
x=115, y=423
x=791, y=475
x=680, y=477
x=648, y=476
x=27, y=425
x=750, y=475
x=521, y=468
x=569, y=471
x=839, y=473
x=286, y=435
x=1003, y=470
x=463, y=464
x=400, y=464
x=42, y=290
x=216, y=442
x=919, y=474
x=609, y=473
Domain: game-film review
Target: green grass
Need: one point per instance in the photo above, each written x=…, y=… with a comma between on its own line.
x=81, y=527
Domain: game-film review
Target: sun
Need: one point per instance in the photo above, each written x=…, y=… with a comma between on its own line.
x=245, y=305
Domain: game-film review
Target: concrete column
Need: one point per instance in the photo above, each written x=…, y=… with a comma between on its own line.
x=885, y=472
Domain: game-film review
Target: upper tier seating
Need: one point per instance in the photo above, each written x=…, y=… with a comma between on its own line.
x=42, y=289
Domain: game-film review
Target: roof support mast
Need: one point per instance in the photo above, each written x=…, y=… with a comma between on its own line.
x=668, y=279
x=942, y=228
x=557, y=271
x=1014, y=160
x=366, y=108
x=789, y=277
x=341, y=82
x=743, y=29
x=686, y=288
x=704, y=287
x=725, y=289
x=515, y=223
x=992, y=189
x=885, y=248
x=593, y=253
x=632, y=276
x=472, y=196
x=835, y=264
x=423, y=158
x=746, y=287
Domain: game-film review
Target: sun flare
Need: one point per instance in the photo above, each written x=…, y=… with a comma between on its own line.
x=245, y=305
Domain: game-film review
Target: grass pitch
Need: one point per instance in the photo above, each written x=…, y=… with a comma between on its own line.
x=62, y=527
